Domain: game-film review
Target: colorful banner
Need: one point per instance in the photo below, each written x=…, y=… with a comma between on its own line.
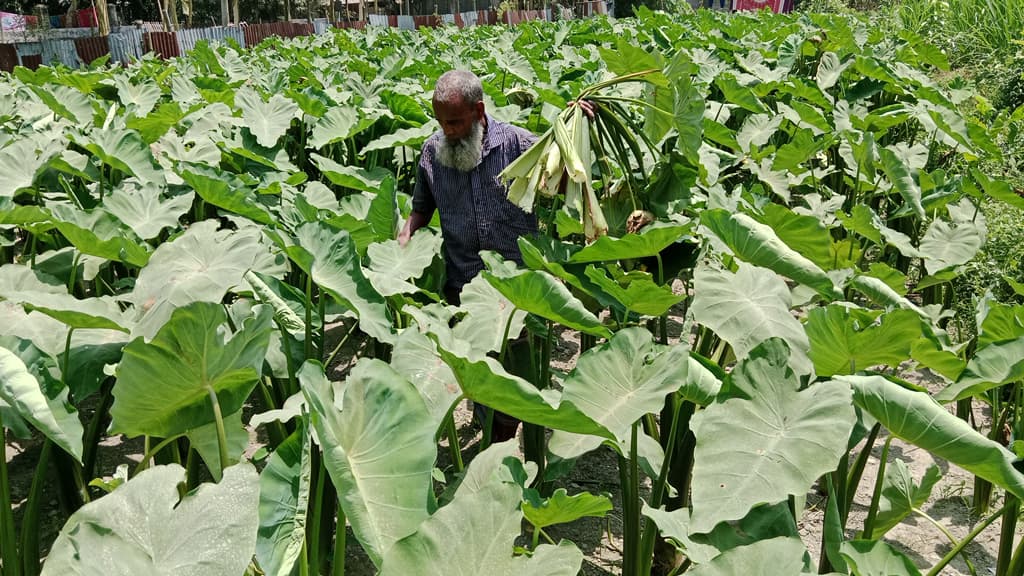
x=12, y=22
x=777, y=6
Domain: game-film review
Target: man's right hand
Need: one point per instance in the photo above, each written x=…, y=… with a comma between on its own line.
x=405, y=234
x=414, y=223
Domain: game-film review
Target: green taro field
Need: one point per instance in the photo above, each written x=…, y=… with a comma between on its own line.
x=803, y=194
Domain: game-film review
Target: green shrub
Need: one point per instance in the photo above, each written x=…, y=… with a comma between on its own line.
x=1001, y=257
x=1010, y=86
x=973, y=32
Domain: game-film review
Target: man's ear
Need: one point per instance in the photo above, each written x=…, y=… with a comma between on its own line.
x=479, y=109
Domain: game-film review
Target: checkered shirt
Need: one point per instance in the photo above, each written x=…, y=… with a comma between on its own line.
x=474, y=211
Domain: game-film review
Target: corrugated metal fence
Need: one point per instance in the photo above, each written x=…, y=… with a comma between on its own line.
x=256, y=33
x=163, y=44
x=187, y=39
x=60, y=50
x=126, y=46
x=90, y=49
x=74, y=47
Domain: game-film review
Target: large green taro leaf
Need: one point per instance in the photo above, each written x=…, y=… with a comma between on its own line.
x=845, y=340
x=688, y=116
x=201, y=265
x=916, y=418
x=393, y=266
x=330, y=257
x=351, y=176
x=267, y=121
x=19, y=278
x=738, y=94
x=488, y=314
x=402, y=137
x=561, y=508
x=284, y=497
x=19, y=284
x=143, y=527
x=650, y=241
x=157, y=123
x=123, y=150
x=339, y=123
x=20, y=162
x=881, y=293
x=948, y=244
x=747, y=308
x=476, y=532
x=98, y=233
x=550, y=255
x=138, y=98
x=774, y=557
x=805, y=234
x=225, y=190
x=998, y=189
x=635, y=290
x=830, y=68
x=485, y=381
x=287, y=302
x=762, y=523
x=898, y=170
x=91, y=352
x=66, y=101
x=383, y=214
x=142, y=209
x=415, y=357
x=768, y=441
x=379, y=450
x=758, y=244
x=901, y=495
x=54, y=417
x=164, y=387
x=542, y=294
x=50, y=335
x=876, y=558
x=32, y=219
x=757, y=129
x=778, y=181
x=620, y=381
x=992, y=366
x=98, y=312
x=997, y=321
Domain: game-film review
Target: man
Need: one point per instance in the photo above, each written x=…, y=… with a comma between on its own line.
x=458, y=176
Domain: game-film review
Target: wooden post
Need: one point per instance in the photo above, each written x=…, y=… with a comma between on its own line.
x=172, y=14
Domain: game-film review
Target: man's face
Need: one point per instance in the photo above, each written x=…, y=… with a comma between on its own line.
x=457, y=119
x=463, y=129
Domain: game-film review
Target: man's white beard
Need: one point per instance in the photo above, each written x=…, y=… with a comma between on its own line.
x=464, y=154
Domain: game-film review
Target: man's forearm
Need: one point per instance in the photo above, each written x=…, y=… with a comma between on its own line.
x=416, y=221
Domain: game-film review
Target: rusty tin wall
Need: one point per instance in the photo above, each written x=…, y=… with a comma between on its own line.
x=8, y=57
x=90, y=49
x=163, y=44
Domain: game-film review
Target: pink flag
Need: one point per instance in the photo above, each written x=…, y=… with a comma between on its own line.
x=773, y=5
